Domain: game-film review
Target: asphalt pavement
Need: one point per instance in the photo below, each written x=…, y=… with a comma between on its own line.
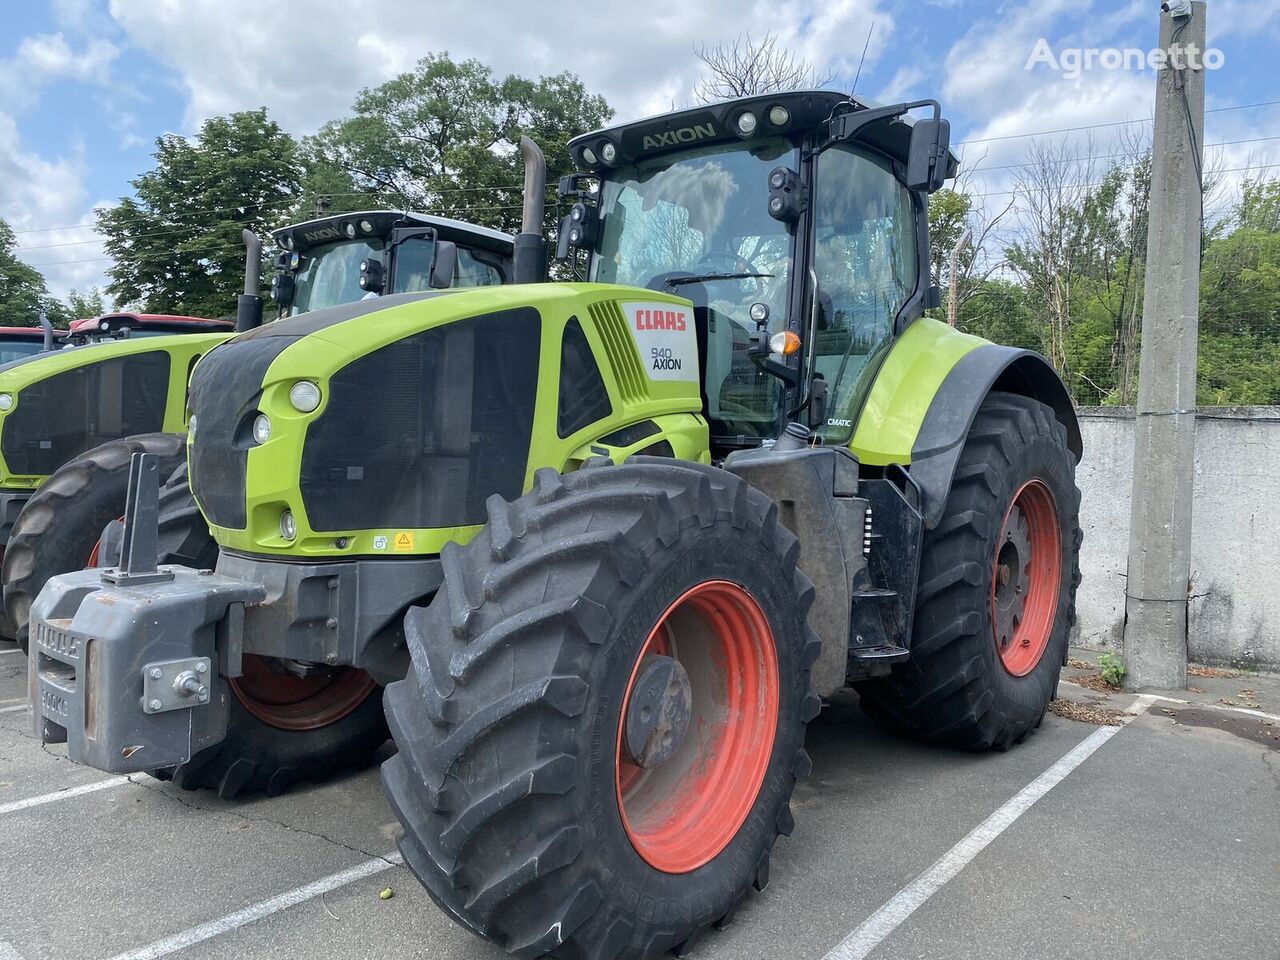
x=1156, y=837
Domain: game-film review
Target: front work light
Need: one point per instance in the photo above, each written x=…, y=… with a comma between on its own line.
x=261, y=429
x=305, y=396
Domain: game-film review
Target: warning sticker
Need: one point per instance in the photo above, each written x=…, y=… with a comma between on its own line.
x=380, y=543
x=403, y=542
x=667, y=340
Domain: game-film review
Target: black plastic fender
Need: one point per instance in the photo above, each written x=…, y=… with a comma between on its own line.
x=946, y=425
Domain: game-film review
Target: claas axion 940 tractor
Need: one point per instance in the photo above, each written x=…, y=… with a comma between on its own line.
x=607, y=544
x=70, y=421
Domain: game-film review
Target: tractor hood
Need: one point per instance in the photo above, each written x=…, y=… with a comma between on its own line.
x=55, y=406
x=382, y=427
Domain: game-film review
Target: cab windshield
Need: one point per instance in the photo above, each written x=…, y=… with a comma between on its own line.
x=330, y=275
x=17, y=349
x=704, y=215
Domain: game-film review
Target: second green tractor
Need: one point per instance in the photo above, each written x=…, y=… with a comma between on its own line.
x=606, y=547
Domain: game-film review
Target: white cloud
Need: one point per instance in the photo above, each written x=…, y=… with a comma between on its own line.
x=908, y=81
x=240, y=54
x=37, y=193
x=43, y=58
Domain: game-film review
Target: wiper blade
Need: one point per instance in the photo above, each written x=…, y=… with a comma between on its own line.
x=683, y=281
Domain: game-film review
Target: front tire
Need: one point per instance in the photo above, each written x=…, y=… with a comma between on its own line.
x=538, y=807
x=998, y=578
x=282, y=730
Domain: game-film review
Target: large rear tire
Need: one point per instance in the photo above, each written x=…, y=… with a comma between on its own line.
x=998, y=578
x=544, y=806
x=59, y=527
x=283, y=730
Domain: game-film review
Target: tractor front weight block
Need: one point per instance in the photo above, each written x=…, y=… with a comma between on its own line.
x=133, y=677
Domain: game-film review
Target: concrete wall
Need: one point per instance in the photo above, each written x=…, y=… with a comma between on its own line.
x=1235, y=571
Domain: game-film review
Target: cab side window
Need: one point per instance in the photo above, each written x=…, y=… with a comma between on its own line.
x=474, y=272
x=865, y=259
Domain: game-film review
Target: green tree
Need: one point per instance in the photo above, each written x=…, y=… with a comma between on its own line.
x=1240, y=304
x=176, y=243
x=948, y=219
x=23, y=293
x=443, y=139
x=88, y=304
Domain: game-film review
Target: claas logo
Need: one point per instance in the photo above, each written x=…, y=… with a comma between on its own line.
x=661, y=320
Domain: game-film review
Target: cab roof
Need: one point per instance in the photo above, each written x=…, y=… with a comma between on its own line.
x=27, y=333
x=806, y=110
x=381, y=222
x=179, y=324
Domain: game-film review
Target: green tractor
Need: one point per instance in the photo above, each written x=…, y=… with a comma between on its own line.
x=116, y=376
x=70, y=423
x=609, y=545
x=18, y=343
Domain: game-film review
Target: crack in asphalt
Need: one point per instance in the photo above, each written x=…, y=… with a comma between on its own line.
x=160, y=789
x=1271, y=769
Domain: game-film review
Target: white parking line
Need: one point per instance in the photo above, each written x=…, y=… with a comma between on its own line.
x=232, y=921
x=14, y=650
x=914, y=895
x=21, y=706
x=62, y=794
x=8, y=951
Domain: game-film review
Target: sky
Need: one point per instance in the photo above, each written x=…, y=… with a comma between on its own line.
x=86, y=86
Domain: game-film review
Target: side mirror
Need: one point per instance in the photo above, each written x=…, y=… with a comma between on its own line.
x=444, y=266
x=927, y=160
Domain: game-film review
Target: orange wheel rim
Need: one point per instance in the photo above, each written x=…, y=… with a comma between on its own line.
x=289, y=702
x=684, y=811
x=1026, y=578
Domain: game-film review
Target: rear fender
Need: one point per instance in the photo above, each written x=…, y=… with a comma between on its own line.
x=951, y=413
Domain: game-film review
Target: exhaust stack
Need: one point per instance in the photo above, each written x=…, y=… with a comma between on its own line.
x=530, y=256
x=47, y=327
x=249, y=303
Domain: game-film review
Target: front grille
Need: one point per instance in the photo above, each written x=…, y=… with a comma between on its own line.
x=224, y=392
x=421, y=432
x=621, y=350
x=62, y=416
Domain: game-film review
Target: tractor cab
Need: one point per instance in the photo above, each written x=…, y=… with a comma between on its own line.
x=358, y=256
x=797, y=226
x=18, y=343
x=124, y=326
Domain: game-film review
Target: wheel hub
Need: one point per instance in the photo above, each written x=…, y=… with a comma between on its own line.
x=1012, y=575
x=658, y=714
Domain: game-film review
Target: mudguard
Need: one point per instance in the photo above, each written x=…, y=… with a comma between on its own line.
x=937, y=446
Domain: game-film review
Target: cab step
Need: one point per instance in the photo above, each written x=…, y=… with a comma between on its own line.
x=884, y=653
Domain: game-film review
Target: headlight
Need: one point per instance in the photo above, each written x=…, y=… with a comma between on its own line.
x=6, y=402
x=589, y=155
x=747, y=124
x=261, y=429
x=779, y=115
x=288, y=526
x=609, y=152
x=305, y=396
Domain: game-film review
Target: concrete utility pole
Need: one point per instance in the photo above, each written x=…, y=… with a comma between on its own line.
x=953, y=307
x=1155, y=632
